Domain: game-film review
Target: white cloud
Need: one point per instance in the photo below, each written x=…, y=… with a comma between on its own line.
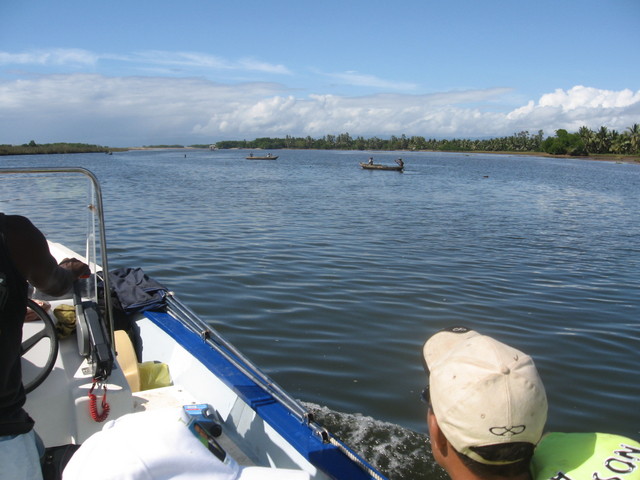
x=142, y=60
x=196, y=60
x=364, y=80
x=579, y=106
x=128, y=111
x=258, y=66
x=55, y=57
x=580, y=97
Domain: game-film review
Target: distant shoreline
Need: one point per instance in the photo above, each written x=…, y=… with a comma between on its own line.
x=596, y=157
x=55, y=149
x=66, y=149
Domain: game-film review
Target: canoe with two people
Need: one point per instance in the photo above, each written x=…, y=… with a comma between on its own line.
x=377, y=166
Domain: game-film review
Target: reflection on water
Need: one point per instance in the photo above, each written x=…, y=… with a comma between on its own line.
x=331, y=277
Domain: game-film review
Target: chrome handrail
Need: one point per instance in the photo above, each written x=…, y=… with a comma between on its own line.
x=100, y=215
x=231, y=353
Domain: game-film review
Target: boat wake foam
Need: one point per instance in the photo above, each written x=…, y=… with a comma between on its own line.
x=397, y=452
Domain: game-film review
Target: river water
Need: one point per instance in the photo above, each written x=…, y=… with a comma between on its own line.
x=330, y=277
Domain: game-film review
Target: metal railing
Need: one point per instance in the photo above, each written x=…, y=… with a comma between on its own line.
x=96, y=210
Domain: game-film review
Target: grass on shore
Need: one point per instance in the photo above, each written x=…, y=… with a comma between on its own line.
x=54, y=148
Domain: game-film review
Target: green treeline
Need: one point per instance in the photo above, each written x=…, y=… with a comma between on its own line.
x=584, y=142
x=581, y=143
x=519, y=142
x=32, y=148
x=601, y=141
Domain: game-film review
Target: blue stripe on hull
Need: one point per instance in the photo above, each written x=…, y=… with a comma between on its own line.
x=326, y=457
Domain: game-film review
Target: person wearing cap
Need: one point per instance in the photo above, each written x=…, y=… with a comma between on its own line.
x=487, y=412
x=487, y=406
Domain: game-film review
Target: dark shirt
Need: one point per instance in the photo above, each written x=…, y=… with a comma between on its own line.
x=13, y=307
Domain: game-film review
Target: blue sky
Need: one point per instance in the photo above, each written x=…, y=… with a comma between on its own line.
x=128, y=73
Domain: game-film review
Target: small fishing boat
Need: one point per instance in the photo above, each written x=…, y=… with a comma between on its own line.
x=268, y=156
x=377, y=166
x=148, y=382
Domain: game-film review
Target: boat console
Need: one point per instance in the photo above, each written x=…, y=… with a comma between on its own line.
x=60, y=405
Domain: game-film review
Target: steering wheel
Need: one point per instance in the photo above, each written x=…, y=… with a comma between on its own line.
x=49, y=332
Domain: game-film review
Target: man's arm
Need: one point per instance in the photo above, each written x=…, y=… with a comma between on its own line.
x=30, y=252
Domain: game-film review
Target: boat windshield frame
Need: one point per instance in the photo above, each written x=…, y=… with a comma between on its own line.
x=95, y=216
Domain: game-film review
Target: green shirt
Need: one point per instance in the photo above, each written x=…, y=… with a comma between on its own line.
x=586, y=456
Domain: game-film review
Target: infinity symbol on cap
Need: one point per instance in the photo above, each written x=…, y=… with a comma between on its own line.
x=502, y=431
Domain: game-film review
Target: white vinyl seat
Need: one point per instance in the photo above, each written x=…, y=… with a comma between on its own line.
x=158, y=445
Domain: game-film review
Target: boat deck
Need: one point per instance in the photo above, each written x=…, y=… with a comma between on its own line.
x=176, y=396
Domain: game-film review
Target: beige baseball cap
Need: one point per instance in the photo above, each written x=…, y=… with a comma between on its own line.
x=483, y=392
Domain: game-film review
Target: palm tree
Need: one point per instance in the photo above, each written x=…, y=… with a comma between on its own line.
x=621, y=144
x=603, y=140
x=588, y=137
x=634, y=137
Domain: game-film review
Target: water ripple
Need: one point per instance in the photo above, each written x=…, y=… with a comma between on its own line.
x=331, y=278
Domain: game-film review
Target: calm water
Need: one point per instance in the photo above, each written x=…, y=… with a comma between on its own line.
x=330, y=277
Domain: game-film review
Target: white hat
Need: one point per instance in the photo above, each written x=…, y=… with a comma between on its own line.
x=483, y=392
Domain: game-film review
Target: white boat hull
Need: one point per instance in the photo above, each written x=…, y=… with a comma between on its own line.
x=260, y=428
